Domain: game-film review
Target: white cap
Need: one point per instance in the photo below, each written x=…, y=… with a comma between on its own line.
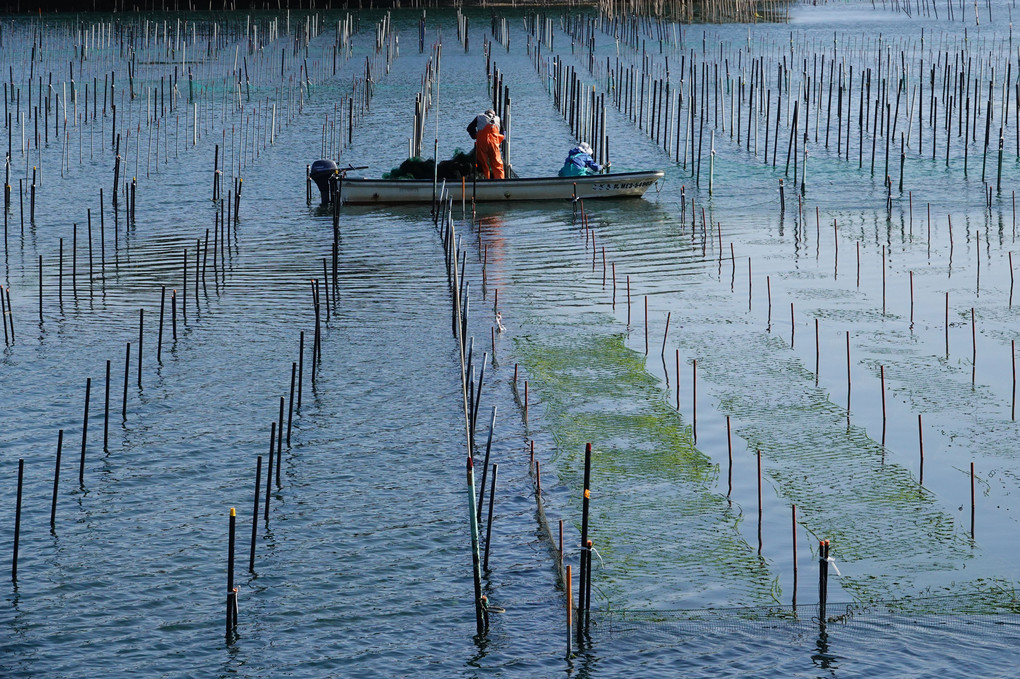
x=585, y=148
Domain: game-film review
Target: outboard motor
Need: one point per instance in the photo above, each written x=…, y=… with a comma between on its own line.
x=321, y=173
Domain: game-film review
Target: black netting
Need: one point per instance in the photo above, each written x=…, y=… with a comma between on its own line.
x=459, y=165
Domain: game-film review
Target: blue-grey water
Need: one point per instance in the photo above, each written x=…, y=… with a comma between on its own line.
x=364, y=567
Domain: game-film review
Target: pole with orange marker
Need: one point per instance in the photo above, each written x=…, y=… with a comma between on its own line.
x=584, y=532
x=231, y=592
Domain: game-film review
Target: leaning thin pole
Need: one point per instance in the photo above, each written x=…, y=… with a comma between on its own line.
x=435, y=146
x=479, y=612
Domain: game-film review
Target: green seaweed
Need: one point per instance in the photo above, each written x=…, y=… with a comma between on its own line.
x=832, y=470
x=652, y=497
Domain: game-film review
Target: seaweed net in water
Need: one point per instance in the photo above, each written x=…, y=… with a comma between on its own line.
x=460, y=165
x=975, y=612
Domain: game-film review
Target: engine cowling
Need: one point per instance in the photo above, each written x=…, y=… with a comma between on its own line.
x=321, y=172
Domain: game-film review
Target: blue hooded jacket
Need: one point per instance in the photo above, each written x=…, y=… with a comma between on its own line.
x=579, y=163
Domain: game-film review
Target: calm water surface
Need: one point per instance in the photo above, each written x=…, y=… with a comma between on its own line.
x=364, y=566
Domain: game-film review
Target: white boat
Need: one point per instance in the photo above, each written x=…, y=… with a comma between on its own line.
x=360, y=191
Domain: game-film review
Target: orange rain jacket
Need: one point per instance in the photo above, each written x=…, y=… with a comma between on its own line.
x=487, y=155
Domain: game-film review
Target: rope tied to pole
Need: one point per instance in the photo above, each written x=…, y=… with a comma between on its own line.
x=603, y=563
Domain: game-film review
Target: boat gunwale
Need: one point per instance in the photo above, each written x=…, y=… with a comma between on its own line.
x=591, y=178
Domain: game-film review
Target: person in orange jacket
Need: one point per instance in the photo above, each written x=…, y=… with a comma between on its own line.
x=484, y=129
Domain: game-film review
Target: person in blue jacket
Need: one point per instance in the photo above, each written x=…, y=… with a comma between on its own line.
x=579, y=162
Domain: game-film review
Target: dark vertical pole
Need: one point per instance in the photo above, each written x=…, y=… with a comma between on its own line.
x=488, y=526
x=269, y=471
x=74, y=260
x=141, y=324
x=231, y=601
x=91, y=275
x=230, y=550
x=480, y=614
x=325, y=286
x=106, y=411
x=290, y=407
x=84, y=431
x=301, y=367
x=102, y=234
x=823, y=578
x=570, y=608
x=162, y=313
x=198, y=261
x=758, y=455
x=694, y=397
x=584, y=531
x=17, y=521
x=336, y=251
x=127, y=373
x=318, y=330
x=485, y=464
x=10, y=311
x=205, y=256
x=279, y=443
x=971, y=500
x=920, y=446
x=255, y=513
x=56, y=479
x=3, y=313
x=184, y=296
x=794, y=523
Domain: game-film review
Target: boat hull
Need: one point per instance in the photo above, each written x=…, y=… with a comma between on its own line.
x=357, y=191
